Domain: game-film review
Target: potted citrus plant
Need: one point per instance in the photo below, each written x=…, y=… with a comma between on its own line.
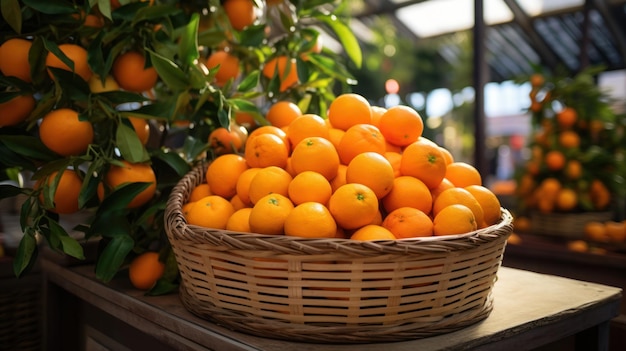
x=106, y=105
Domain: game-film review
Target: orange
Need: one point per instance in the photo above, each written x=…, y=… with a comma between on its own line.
x=224, y=141
x=131, y=73
x=600, y=195
x=567, y=117
x=596, y=231
x=97, y=85
x=445, y=184
x=223, y=172
x=408, y=191
x=271, y=130
x=228, y=66
x=360, y=138
x=239, y=221
x=463, y=174
x=238, y=203
x=130, y=173
x=377, y=112
x=372, y=232
x=349, y=109
x=401, y=125
x=77, y=54
x=555, y=160
x=212, y=211
x=536, y=80
x=282, y=113
x=371, y=169
x=569, y=139
x=16, y=110
x=269, y=214
x=14, y=59
x=454, y=219
x=285, y=68
x=62, y=132
x=573, y=169
x=423, y=160
x=200, y=191
x=145, y=270
x=394, y=159
x=408, y=222
x=447, y=155
x=245, y=119
x=64, y=193
x=266, y=150
x=142, y=128
x=306, y=126
x=489, y=203
x=566, y=199
x=309, y=186
x=269, y=180
x=615, y=231
x=522, y=224
x=310, y=220
x=243, y=184
x=335, y=135
x=240, y=13
x=459, y=196
x=353, y=205
x=315, y=154
x=340, y=178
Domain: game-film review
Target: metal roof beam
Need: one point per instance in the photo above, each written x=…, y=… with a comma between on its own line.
x=616, y=31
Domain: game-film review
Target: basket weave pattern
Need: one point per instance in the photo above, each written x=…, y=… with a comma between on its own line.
x=566, y=225
x=333, y=290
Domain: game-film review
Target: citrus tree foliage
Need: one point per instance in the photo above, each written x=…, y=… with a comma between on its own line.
x=183, y=107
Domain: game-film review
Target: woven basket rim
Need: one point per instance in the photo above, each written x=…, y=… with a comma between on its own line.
x=178, y=228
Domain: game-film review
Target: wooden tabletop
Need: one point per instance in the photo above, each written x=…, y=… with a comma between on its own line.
x=530, y=310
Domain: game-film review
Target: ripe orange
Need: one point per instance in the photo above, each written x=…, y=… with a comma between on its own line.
x=445, y=184
x=394, y=159
x=269, y=180
x=372, y=232
x=224, y=141
x=145, y=270
x=454, y=219
x=408, y=191
x=243, y=184
x=408, y=222
x=353, y=205
x=131, y=73
x=310, y=220
x=423, y=160
x=309, y=186
x=306, y=126
x=271, y=130
x=615, y=231
x=142, y=128
x=596, y=231
x=459, y=196
x=282, y=113
x=62, y=132
x=266, y=150
x=401, y=125
x=360, y=138
x=245, y=119
x=212, y=211
x=228, y=66
x=555, y=160
x=373, y=170
x=569, y=139
x=284, y=68
x=240, y=13
x=129, y=173
x=349, y=109
x=573, y=169
x=489, y=203
x=237, y=202
x=77, y=54
x=14, y=59
x=96, y=85
x=16, y=110
x=536, y=80
x=200, y=191
x=600, y=194
x=463, y=174
x=335, y=135
x=340, y=178
x=223, y=172
x=269, y=214
x=240, y=220
x=447, y=155
x=377, y=113
x=567, y=117
x=566, y=199
x=65, y=196
x=315, y=154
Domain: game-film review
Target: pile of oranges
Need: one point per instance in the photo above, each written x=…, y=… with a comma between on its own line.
x=364, y=173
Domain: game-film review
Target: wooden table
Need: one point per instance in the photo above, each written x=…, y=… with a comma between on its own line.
x=530, y=310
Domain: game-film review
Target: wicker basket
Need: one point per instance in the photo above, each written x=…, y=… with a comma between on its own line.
x=333, y=290
x=566, y=225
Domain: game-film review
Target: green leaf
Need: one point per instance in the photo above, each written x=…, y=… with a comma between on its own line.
x=250, y=82
x=253, y=35
x=129, y=144
x=121, y=196
x=155, y=12
x=26, y=254
x=173, y=159
x=193, y=147
x=188, y=45
x=122, y=97
x=68, y=244
x=51, y=7
x=7, y=190
x=346, y=37
x=169, y=72
x=12, y=13
x=104, y=6
x=112, y=257
x=28, y=146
